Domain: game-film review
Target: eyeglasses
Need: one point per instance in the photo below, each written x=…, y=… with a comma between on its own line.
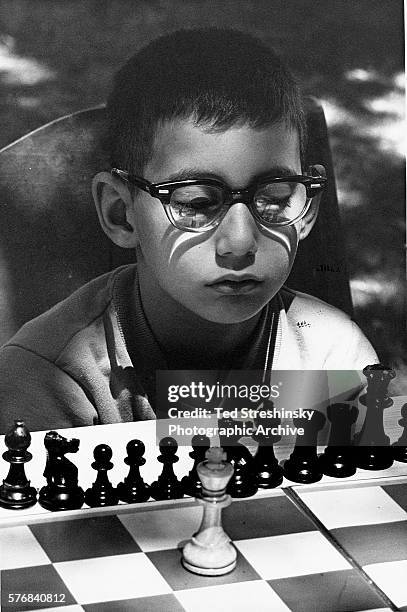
x=199, y=205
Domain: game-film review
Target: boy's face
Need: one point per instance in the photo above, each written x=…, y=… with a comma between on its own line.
x=228, y=274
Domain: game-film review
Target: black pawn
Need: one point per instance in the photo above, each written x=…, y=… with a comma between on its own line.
x=338, y=458
x=191, y=484
x=102, y=492
x=133, y=489
x=303, y=465
x=399, y=448
x=269, y=473
x=62, y=491
x=16, y=492
x=167, y=486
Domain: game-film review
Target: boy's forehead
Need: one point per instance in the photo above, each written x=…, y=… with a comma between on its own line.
x=236, y=155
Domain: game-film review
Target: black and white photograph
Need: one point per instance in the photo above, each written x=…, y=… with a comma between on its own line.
x=203, y=397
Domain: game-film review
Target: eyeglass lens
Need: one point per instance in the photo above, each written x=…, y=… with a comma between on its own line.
x=197, y=206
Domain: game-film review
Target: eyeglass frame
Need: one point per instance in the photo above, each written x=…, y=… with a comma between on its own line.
x=314, y=184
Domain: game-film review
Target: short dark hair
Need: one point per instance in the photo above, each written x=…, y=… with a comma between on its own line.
x=218, y=77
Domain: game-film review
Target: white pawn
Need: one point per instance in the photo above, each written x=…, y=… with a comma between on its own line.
x=210, y=552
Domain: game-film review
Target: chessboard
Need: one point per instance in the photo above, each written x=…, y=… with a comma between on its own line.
x=298, y=549
x=335, y=545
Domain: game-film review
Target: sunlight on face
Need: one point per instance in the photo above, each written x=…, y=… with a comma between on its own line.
x=228, y=274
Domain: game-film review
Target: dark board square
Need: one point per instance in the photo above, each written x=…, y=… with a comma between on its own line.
x=168, y=563
x=157, y=603
x=398, y=492
x=86, y=538
x=39, y=579
x=259, y=518
x=374, y=543
x=339, y=591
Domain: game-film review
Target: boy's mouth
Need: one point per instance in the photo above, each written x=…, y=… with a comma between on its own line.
x=236, y=285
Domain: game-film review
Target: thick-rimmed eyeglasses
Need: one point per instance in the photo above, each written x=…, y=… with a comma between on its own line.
x=199, y=205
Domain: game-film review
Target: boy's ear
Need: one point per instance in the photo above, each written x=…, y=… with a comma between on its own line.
x=308, y=222
x=114, y=205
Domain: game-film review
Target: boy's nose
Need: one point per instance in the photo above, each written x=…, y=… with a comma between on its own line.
x=237, y=234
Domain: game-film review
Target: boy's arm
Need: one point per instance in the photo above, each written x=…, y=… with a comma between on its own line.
x=41, y=394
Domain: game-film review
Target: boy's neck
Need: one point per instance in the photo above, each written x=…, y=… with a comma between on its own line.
x=188, y=341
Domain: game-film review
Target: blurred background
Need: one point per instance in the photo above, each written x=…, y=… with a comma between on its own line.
x=58, y=56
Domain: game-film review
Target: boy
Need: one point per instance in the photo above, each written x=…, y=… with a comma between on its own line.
x=207, y=134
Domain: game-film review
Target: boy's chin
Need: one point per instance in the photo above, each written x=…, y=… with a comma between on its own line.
x=230, y=316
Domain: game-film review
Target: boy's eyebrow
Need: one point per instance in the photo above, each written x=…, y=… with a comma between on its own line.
x=186, y=174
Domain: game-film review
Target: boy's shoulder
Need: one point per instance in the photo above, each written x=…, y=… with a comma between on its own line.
x=317, y=335
x=300, y=307
x=79, y=314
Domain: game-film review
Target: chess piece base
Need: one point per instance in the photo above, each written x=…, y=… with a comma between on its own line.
x=206, y=571
x=240, y=489
x=339, y=470
x=133, y=495
x=209, y=552
x=96, y=499
x=400, y=453
x=52, y=499
x=17, y=500
x=337, y=464
x=191, y=487
x=270, y=479
x=374, y=458
x=160, y=491
x=302, y=472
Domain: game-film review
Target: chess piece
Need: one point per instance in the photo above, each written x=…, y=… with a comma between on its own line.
x=133, y=489
x=167, y=486
x=102, y=492
x=243, y=480
x=268, y=472
x=400, y=447
x=378, y=379
x=338, y=458
x=210, y=552
x=16, y=491
x=303, y=465
x=61, y=491
x=372, y=445
x=191, y=484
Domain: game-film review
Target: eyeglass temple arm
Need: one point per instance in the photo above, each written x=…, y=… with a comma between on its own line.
x=129, y=178
x=318, y=174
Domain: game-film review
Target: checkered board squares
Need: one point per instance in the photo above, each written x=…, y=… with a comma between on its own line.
x=354, y=506
x=17, y=544
x=392, y=579
x=111, y=578
x=131, y=561
x=254, y=595
x=84, y=538
x=162, y=529
x=327, y=592
x=39, y=579
x=370, y=523
x=292, y=554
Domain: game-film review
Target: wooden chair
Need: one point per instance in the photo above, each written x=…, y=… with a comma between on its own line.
x=50, y=239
